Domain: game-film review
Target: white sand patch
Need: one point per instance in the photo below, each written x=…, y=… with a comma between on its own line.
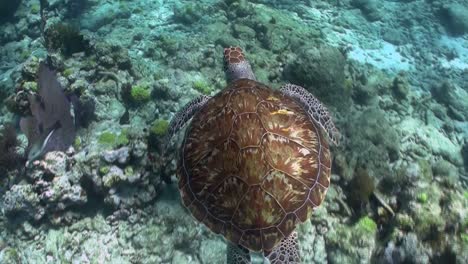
x=460, y=46
x=376, y=52
x=386, y=57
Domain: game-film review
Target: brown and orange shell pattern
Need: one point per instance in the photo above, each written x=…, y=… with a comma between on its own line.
x=253, y=165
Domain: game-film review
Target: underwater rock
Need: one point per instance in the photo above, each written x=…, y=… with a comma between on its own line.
x=446, y=171
x=212, y=251
x=60, y=183
x=189, y=13
x=312, y=241
x=465, y=154
x=21, y=202
x=111, y=55
x=409, y=250
x=57, y=182
x=373, y=126
x=454, y=98
x=130, y=195
x=18, y=102
x=321, y=70
x=400, y=86
x=120, y=155
x=109, y=108
x=360, y=189
x=104, y=14
x=183, y=257
x=395, y=36
x=355, y=243
x=427, y=139
x=369, y=8
x=119, y=174
x=9, y=255
x=455, y=18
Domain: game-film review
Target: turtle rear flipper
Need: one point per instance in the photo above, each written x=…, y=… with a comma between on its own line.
x=286, y=252
x=316, y=110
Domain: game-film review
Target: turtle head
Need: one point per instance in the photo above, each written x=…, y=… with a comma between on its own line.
x=236, y=66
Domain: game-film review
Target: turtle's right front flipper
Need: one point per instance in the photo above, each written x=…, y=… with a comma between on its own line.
x=177, y=123
x=237, y=254
x=315, y=109
x=286, y=252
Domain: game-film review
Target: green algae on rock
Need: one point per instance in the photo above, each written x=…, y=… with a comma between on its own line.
x=111, y=139
x=202, y=86
x=367, y=225
x=140, y=93
x=159, y=127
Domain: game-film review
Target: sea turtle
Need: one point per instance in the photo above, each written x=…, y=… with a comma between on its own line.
x=254, y=162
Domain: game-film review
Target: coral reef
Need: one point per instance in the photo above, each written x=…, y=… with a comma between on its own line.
x=10, y=158
x=393, y=73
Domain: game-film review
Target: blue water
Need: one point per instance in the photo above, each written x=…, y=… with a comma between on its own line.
x=106, y=187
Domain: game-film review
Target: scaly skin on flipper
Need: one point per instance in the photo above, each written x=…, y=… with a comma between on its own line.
x=314, y=108
x=237, y=254
x=287, y=252
x=185, y=114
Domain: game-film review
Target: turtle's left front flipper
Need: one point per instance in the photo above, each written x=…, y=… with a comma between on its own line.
x=286, y=252
x=316, y=110
x=177, y=123
x=185, y=114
